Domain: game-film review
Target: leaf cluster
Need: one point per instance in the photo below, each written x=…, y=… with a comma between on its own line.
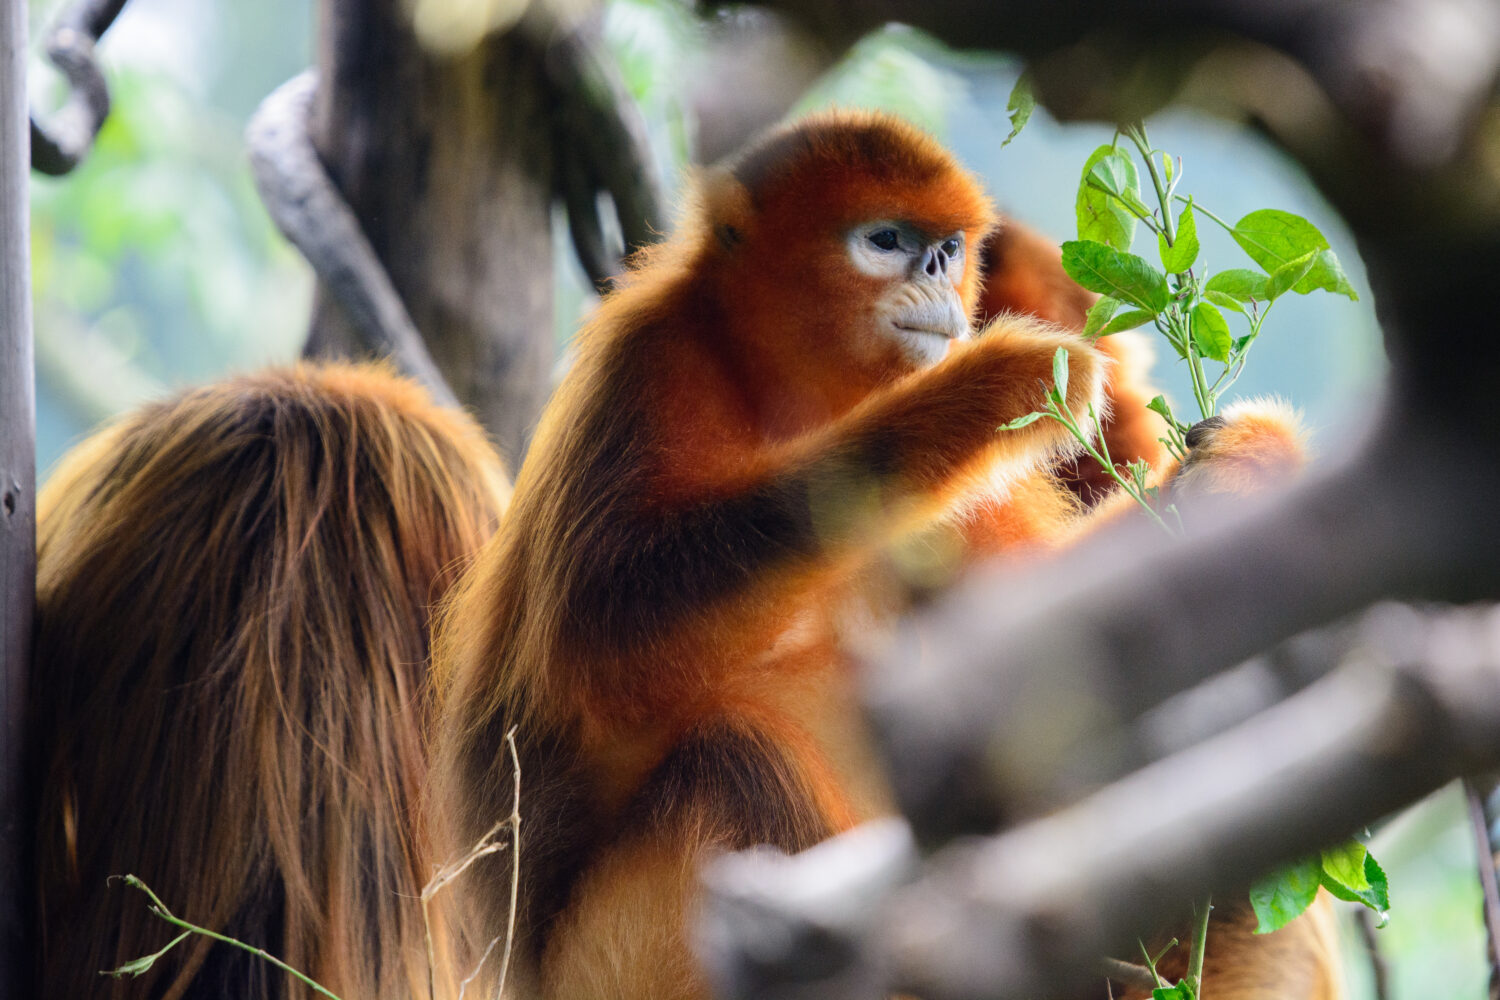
x=1176, y=293
x=1348, y=871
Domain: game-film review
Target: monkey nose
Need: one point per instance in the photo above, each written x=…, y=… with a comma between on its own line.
x=934, y=263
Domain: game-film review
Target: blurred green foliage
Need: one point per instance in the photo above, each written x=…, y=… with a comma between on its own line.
x=153, y=263
x=154, y=266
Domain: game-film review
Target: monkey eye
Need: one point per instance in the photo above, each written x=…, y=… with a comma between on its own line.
x=951, y=247
x=885, y=239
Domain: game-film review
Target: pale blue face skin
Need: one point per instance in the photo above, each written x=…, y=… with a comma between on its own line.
x=921, y=313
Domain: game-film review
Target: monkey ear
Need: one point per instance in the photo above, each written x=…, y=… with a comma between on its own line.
x=727, y=206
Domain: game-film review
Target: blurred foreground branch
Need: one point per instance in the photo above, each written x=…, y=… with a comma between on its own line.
x=1028, y=912
x=1391, y=107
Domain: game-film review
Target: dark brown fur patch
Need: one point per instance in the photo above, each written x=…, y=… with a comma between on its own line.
x=745, y=789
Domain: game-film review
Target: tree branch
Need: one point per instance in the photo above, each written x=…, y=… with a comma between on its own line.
x=61, y=141
x=307, y=207
x=1028, y=912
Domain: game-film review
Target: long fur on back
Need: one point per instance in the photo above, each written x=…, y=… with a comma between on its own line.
x=233, y=598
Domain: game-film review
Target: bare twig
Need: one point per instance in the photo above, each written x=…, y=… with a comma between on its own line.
x=463, y=987
x=483, y=848
x=1380, y=973
x=60, y=141
x=307, y=207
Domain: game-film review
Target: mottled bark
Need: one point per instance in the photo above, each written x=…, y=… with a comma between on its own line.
x=447, y=162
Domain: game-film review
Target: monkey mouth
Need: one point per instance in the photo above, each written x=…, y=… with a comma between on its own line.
x=944, y=323
x=946, y=332
x=931, y=318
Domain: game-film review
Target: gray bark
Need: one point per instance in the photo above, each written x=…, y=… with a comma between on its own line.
x=17, y=493
x=447, y=162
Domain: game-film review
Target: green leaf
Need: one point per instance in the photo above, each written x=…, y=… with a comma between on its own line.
x=1288, y=274
x=1122, y=276
x=1101, y=217
x=1021, y=104
x=1345, y=864
x=1327, y=275
x=1280, y=897
x=1158, y=404
x=1115, y=175
x=1179, y=992
x=1377, y=897
x=1226, y=302
x=1060, y=372
x=139, y=965
x=1127, y=321
x=1211, y=332
x=1181, y=254
x=1099, y=314
x=1273, y=238
x=1238, y=283
x=1020, y=422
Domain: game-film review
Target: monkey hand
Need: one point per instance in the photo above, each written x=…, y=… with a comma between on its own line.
x=1023, y=351
x=1254, y=444
x=1019, y=357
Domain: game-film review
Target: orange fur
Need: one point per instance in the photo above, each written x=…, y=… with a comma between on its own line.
x=233, y=594
x=703, y=513
x=1260, y=443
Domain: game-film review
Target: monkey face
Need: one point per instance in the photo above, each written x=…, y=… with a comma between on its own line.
x=919, y=310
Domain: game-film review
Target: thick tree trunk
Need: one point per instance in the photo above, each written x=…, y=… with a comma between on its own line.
x=447, y=163
x=17, y=481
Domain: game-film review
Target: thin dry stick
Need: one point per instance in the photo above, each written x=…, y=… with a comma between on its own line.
x=515, y=861
x=485, y=846
x=1380, y=972
x=463, y=987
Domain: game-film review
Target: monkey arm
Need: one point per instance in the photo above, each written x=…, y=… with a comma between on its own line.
x=836, y=495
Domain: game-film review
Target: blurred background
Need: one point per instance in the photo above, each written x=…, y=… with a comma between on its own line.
x=156, y=267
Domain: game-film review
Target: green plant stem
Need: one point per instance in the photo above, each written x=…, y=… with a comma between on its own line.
x=1201, y=392
x=1200, y=946
x=1061, y=415
x=1151, y=962
x=1137, y=133
x=1199, y=209
x=160, y=909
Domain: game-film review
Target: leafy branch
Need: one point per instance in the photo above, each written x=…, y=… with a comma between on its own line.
x=1187, y=304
